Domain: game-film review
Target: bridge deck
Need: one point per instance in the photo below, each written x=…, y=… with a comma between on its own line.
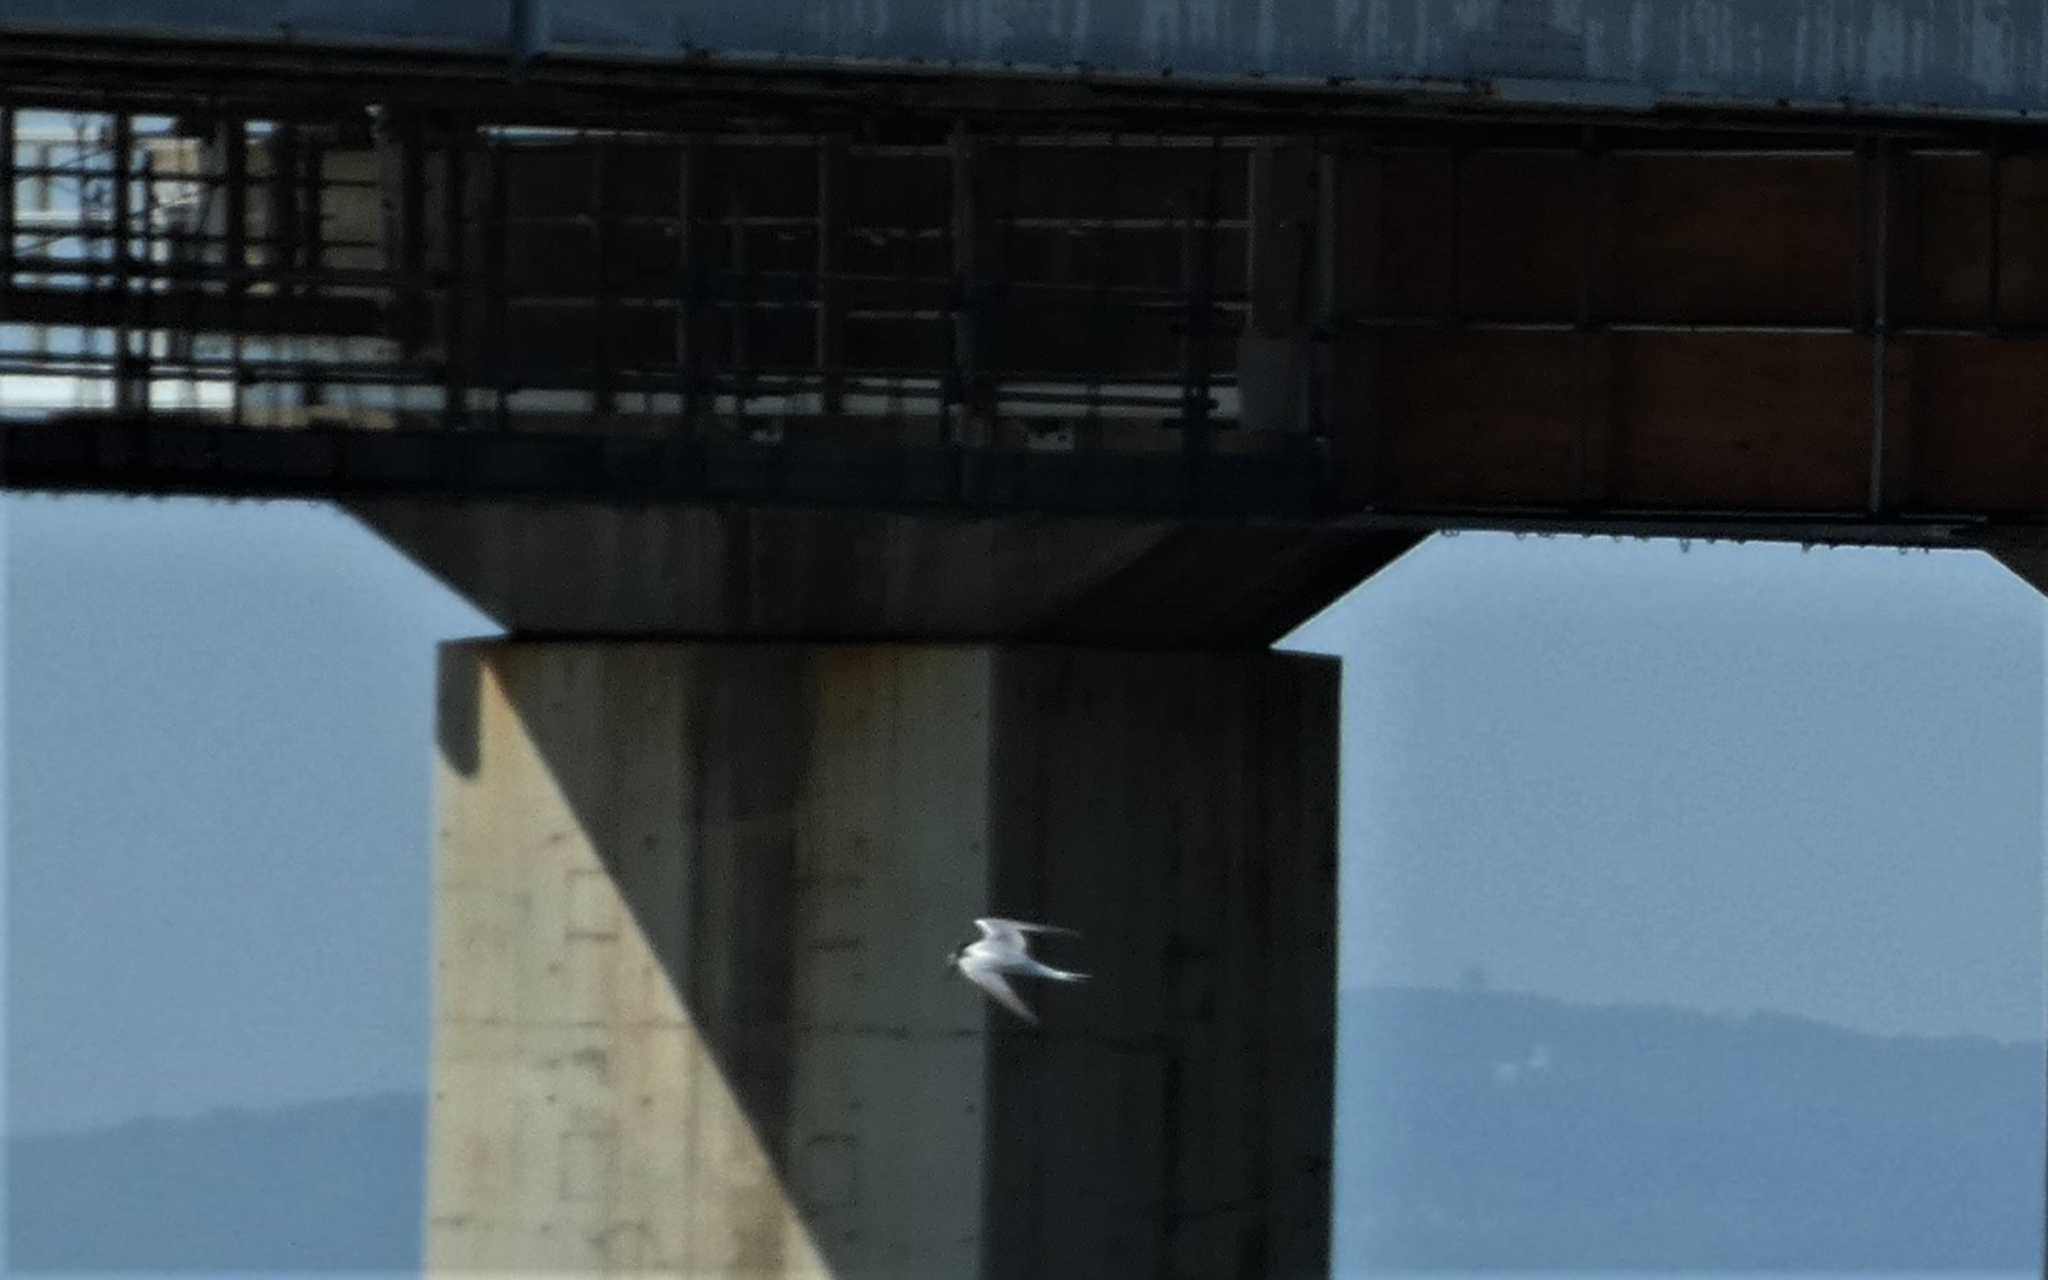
x=1226, y=306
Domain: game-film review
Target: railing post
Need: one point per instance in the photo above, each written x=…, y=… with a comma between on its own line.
x=1593, y=451
x=831, y=293
x=312, y=251
x=455, y=290
x=234, y=137
x=604, y=332
x=123, y=262
x=8, y=181
x=973, y=387
x=691, y=244
x=497, y=253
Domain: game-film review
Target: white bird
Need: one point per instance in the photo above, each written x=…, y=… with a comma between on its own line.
x=1004, y=948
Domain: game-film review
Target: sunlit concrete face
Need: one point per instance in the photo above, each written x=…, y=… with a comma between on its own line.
x=693, y=902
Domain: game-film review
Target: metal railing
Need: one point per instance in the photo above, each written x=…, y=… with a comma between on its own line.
x=382, y=268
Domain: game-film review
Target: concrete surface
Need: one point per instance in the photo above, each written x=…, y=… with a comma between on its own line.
x=593, y=568
x=1979, y=56
x=693, y=901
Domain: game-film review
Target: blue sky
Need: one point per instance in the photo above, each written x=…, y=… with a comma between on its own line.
x=219, y=744
x=1713, y=775
x=1718, y=777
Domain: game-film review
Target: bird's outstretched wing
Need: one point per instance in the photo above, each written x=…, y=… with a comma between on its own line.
x=997, y=986
x=997, y=929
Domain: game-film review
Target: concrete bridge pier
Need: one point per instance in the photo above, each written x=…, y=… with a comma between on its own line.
x=693, y=903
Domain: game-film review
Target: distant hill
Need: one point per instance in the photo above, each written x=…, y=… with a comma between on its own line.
x=323, y=1186
x=1482, y=1129
x=1479, y=1130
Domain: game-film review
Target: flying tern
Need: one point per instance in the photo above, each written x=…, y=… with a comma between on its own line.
x=1005, y=948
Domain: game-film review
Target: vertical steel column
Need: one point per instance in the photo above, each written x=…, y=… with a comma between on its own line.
x=497, y=254
x=1354, y=208
x=1454, y=243
x=1281, y=282
x=999, y=241
x=742, y=304
x=1593, y=448
x=1327, y=298
x=234, y=135
x=1101, y=247
x=284, y=216
x=831, y=292
x=1863, y=297
x=455, y=291
x=123, y=260
x=312, y=249
x=1876, y=158
x=8, y=180
x=281, y=224
x=976, y=248
x=410, y=275
x=907, y=292
x=965, y=237
x=187, y=247
x=312, y=201
x=603, y=336
x=1994, y=262
x=1893, y=428
x=693, y=245
x=1591, y=229
x=1192, y=313
x=1198, y=284
x=146, y=309
x=1323, y=250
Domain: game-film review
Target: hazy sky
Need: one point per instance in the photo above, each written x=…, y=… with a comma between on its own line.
x=1728, y=777
x=219, y=744
x=1723, y=777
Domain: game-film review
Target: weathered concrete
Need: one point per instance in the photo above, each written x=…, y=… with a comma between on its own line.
x=1890, y=53
x=784, y=573
x=693, y=900
x=2024, y=552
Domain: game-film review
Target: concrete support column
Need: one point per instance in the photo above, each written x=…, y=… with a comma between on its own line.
x=693, y=905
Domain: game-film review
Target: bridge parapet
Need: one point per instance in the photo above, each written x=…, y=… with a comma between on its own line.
x=1930, y=58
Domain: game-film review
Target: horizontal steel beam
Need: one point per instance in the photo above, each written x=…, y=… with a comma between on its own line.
x=163, y=454
x=326, y=315
x=314, y=82
x=1586, y=336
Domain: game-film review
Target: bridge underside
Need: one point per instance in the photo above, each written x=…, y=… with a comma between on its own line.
x=1310, y=307
x=749, y=366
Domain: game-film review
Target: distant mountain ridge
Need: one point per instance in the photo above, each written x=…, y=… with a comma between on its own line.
x=1476, y=1130
x=318, y=1186
x=1491, y=1129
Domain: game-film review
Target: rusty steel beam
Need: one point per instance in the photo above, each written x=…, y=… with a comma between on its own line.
x=1691, y=348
